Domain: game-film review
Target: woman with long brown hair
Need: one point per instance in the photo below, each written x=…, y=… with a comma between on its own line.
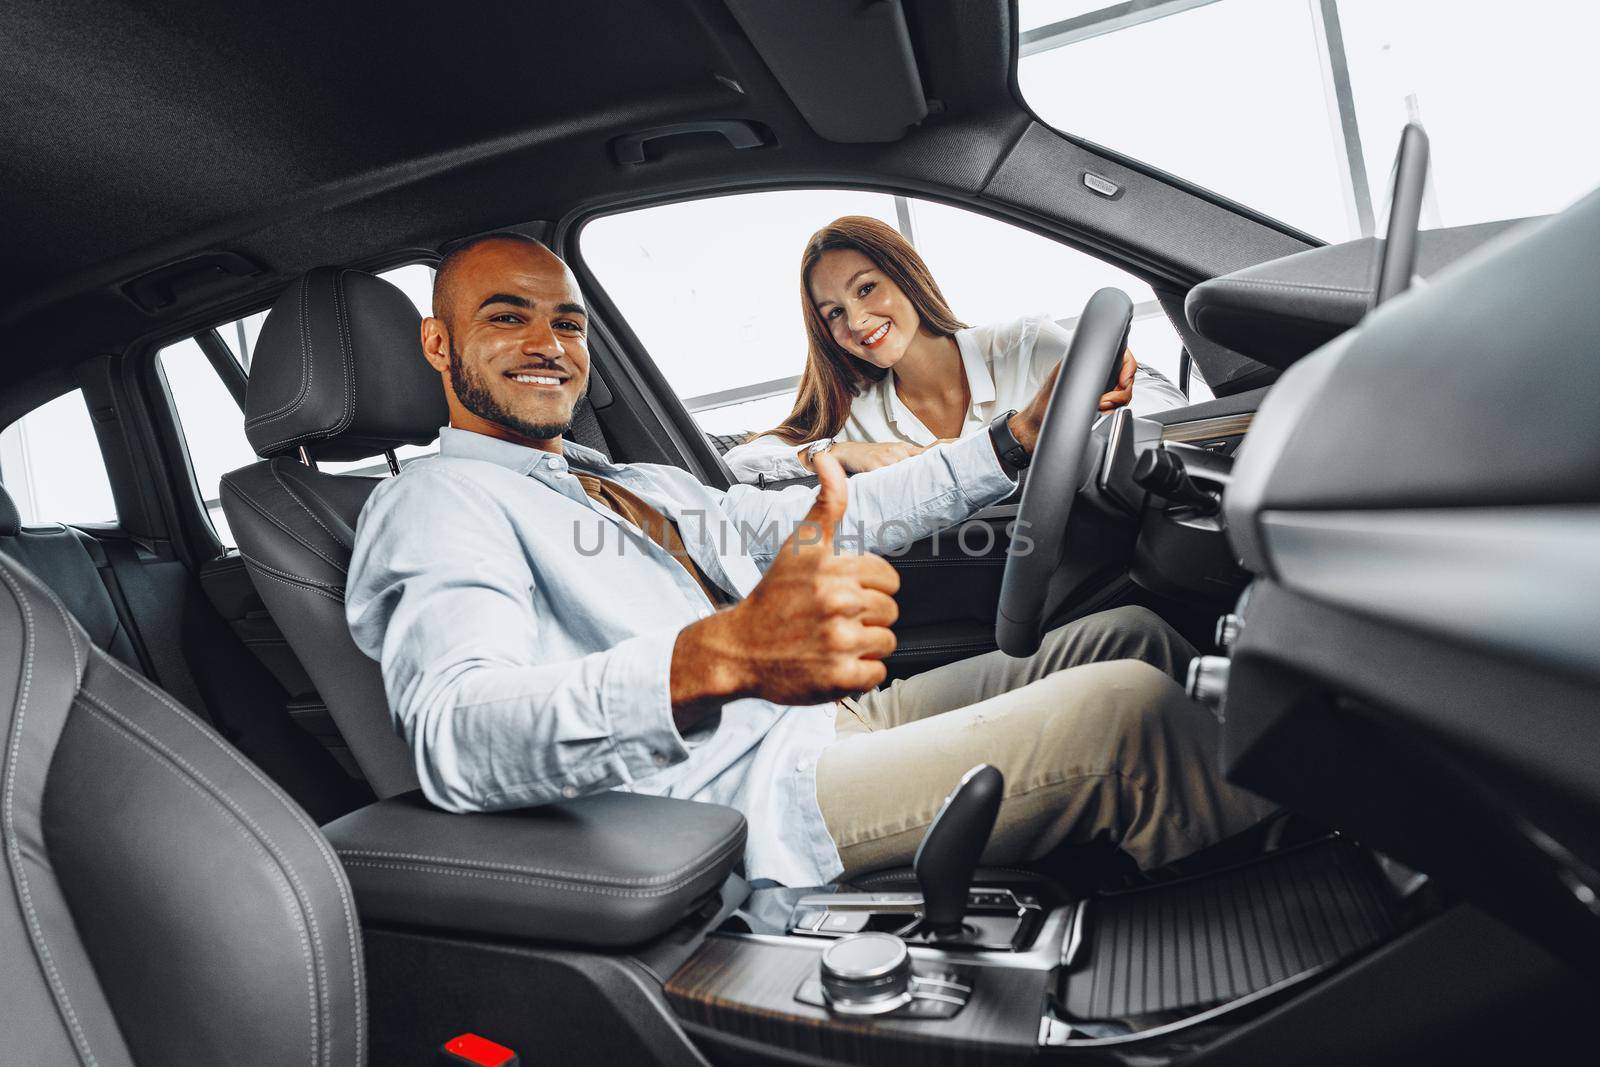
x=890, y=370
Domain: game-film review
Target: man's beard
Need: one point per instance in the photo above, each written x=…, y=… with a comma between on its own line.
x=474, y=394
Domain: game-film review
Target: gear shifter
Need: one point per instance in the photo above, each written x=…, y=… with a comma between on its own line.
x=951, y=848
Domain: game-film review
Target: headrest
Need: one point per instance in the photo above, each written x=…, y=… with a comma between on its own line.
x=339, y=369
x=10, y=518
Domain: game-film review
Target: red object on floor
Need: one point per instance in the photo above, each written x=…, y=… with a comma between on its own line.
x=478, y=1051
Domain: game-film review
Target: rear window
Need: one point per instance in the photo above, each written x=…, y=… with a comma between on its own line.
x=51, y=465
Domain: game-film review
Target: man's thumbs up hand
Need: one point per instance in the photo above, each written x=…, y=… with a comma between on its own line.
x=815, y=628
x=833, y=495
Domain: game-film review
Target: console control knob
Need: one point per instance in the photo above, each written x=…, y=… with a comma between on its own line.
x=866, y=974
x=1228, y=628
x=1208, y=682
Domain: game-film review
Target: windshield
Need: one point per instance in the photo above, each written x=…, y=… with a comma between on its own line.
x=1294, y=107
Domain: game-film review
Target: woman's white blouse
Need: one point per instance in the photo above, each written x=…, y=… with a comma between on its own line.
x=1005, y=364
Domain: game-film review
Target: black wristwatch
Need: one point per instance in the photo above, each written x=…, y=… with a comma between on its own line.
x=1012, y=455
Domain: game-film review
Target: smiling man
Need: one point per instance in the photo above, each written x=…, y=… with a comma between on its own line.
x=550, y=624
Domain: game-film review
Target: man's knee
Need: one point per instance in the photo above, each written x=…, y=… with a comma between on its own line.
x=1130, y=632
x=1135, y=624
x=1123, y=692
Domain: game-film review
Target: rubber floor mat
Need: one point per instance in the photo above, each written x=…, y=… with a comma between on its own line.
x=1222, y=935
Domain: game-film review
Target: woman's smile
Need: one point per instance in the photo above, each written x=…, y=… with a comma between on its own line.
x=875, y=338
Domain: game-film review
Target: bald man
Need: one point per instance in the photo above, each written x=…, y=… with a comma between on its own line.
x=551, y=624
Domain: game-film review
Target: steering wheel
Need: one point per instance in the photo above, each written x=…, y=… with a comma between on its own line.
x=1093, y=357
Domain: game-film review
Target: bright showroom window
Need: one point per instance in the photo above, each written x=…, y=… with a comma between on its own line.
x=712, y=288
x=51, y=466
x=213, y=425
x=1294, y=107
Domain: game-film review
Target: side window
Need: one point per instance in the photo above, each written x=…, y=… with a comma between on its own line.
x=51, y=465
x=712, y=288
x=213, y=425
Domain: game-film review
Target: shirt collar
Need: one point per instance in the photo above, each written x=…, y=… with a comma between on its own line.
x=467, y=444
x=979, y=381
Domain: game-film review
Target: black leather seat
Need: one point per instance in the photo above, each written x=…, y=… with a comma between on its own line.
x=338, y=374
x=163, y=902
x=77, y=568
x=71, y=564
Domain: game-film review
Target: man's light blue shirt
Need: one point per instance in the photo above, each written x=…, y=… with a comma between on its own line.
x=526, y=632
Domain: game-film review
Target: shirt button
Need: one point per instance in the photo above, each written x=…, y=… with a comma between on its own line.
x=569, y=791
x=803, y=766
x=661, y=761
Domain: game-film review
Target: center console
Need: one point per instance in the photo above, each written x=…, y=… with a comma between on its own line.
x=613, y=929
x=932, y=966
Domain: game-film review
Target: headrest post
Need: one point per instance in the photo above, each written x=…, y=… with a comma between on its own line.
x=394, y=464
x=305, y=457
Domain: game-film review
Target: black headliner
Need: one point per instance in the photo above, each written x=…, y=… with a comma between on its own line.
x=129, y=125
x=301, y=133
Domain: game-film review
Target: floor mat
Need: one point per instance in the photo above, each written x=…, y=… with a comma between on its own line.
x=1219, y=936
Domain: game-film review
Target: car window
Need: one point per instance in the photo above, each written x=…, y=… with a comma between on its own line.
x=51, y=465
x=1295, y=109
x=213, y=425
x=712, y=288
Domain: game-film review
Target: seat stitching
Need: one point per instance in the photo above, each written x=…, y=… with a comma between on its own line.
x=341, y=307
x=347, y=365
x=307, y=587
x=305, y=363
x=587, y=879
x=253, y=562
x=262, y=510
x=517, y=879
x=122, y=727
x=67, y=621
x=304, y=506
x=298, y=815
x=13, y=851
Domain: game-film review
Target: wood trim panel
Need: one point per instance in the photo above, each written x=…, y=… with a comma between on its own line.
x=746, y=989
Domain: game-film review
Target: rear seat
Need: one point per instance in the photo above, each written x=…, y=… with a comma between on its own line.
x=76, y=568
x=71, y=563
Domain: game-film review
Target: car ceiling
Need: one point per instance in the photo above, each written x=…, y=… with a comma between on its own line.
x=300, y=133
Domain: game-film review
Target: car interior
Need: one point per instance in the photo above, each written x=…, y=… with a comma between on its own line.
x=215, y=843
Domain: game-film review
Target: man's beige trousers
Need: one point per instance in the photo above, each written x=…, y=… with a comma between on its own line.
x=1094, y=738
